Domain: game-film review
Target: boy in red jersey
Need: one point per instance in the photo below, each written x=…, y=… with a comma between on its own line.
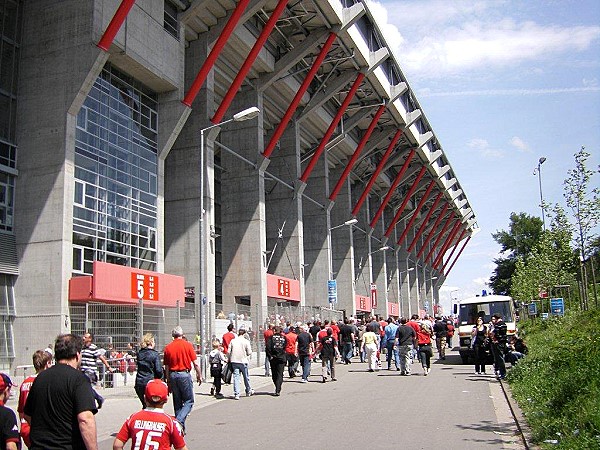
x=41, y=361
x=152, y=427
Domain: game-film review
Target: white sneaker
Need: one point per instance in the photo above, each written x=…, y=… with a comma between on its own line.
x=250, y=394
x=236, y=397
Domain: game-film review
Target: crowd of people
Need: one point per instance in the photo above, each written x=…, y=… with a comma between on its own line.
x=57, y=405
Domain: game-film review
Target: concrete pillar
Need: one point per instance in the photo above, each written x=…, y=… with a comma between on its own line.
x=316, y=245
x=243, y=216
x=378, y=260
x=362, y=247
x=46, y=119
x=342, y=245
x=284, y=210
x=182, y=187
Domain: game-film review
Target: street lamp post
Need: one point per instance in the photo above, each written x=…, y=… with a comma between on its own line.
x=538, y=171
x=213, y=130
x=349, y=222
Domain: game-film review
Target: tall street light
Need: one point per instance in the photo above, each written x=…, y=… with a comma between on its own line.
x=213, y=130
x=538, y=171
x=349, y=223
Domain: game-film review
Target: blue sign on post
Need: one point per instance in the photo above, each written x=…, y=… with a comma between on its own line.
x=332, y=291
x=557, y=306
x=533, y=309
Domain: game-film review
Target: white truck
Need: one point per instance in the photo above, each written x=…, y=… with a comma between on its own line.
x=468, y=310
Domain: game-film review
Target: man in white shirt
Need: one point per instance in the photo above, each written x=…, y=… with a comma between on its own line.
x=239, y=356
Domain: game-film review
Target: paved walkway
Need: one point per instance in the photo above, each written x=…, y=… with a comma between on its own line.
x=451, y=408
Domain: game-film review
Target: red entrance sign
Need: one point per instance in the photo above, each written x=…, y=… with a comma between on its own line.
x=283, y=288
x=143, y=286
x=362, y=303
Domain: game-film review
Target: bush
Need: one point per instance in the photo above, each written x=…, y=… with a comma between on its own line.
x=558, y=384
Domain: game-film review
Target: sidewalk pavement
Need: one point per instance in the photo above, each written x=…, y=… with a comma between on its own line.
x=452, y=407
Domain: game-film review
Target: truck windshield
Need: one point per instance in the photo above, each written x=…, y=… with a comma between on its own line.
x=468, y=313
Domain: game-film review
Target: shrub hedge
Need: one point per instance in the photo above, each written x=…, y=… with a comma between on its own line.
x=557, y=385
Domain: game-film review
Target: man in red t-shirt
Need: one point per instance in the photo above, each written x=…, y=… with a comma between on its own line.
x=323, y=333
x=41, y=361
x=227, y=338
x=267, y=334
x=152, y=427
x=291, y=352
x=179, y=356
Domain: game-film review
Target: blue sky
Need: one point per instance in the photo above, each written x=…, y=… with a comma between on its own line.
x=502, y=83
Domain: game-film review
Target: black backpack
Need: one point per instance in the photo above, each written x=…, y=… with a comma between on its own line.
x=278, y=343
x=216, y=365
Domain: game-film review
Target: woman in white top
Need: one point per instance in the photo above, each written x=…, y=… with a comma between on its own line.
x=370, y=342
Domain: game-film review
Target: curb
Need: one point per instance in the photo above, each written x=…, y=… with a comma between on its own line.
x=520, y=420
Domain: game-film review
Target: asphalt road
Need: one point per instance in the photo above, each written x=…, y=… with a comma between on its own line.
x=452, y=408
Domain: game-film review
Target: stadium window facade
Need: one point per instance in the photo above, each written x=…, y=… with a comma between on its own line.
x=116, y=168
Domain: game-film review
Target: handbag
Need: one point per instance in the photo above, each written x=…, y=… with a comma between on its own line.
x=226, y=373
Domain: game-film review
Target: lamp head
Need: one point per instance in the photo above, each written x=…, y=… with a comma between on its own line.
x=351, y=221
x=246, y=114
x=542, y=160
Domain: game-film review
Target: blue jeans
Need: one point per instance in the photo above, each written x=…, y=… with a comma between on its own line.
x=243, y=369
x=347, y=351
x=391, y=350
x=305, y=363
x=182, y=388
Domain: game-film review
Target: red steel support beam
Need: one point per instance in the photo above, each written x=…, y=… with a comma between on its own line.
x=301, y=91
x=454, y=249
x=459, y=253
x=356, y=154
x=115, y=24
x=332, y=127
x=375, y=174
x=393, y=187
x=424, y=198
x=241, y=75
x=433, y=229
x=214, y=53
x=447, y=242
x=424, y=224
x=440, y=236
x=409, y=194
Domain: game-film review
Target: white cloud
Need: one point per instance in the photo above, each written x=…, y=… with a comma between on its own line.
x=482, y=147
x=481, y=281
x=517, y=142
x=436, y=39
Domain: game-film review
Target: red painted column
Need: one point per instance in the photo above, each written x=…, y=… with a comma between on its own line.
x=241, y=75
x=115, y=24
x=356, y=154
x=393, y=187
x=409, y=194
x=424, y=224
x=439, y=238
x=375, y=174
x=434, y=228
x=454, y=249
x=424, y=198
x=447, y=242
x=214, y=53
x=459, y=253
x=296, y=100
x=332, y=127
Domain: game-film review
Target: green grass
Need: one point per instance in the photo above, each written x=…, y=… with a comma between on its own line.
x=558, y=384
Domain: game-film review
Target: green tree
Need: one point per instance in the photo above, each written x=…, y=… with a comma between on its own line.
x=523, y=234
x=585, y=207
x=550, y=263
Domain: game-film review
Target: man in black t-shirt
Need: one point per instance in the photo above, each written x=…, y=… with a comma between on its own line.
x=60, y=407
x=305, y=350
x=329, y=351
x=275, y=350
x=347, y=340
x=9, y=430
